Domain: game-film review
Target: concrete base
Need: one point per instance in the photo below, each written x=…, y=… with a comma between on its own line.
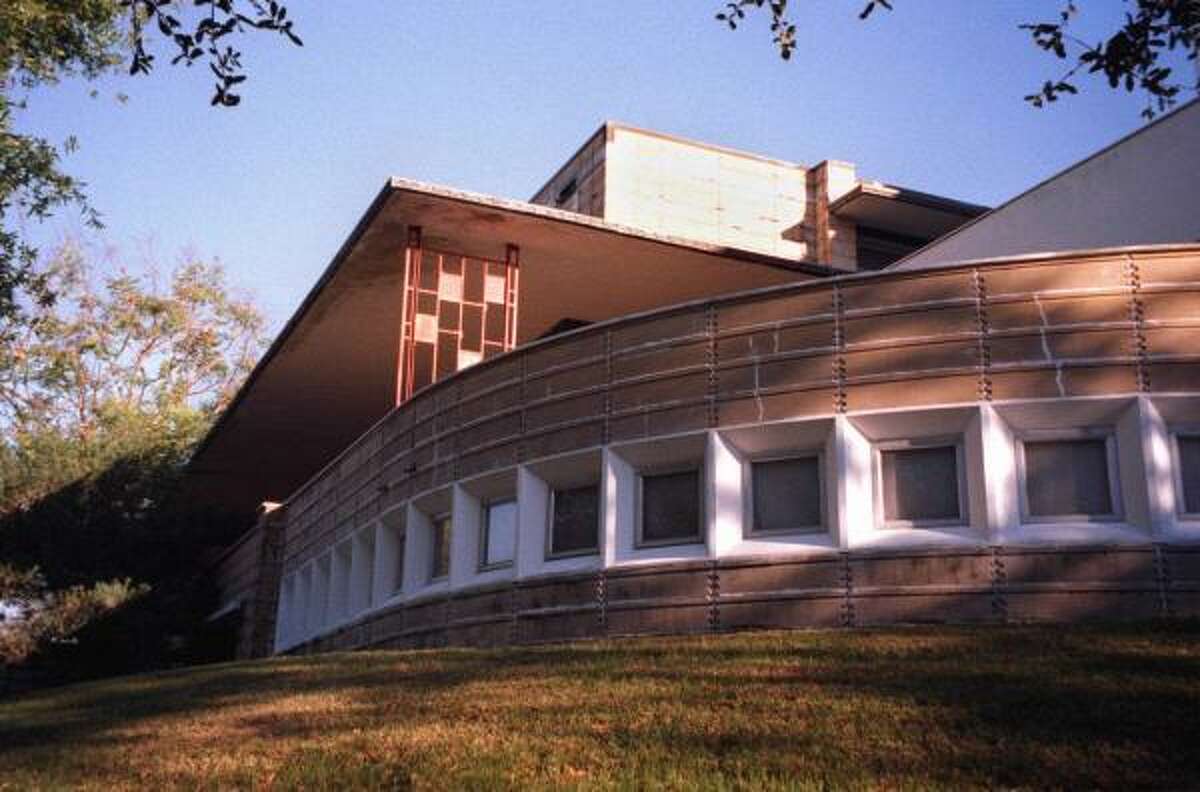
x=1001, y=584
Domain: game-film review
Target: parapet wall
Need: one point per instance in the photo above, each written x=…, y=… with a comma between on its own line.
x=985, y=352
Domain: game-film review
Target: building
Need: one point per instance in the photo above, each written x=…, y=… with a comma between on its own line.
x=676, y=392
x=1142, y=189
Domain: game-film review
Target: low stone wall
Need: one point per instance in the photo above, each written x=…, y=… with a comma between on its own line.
x=247, y=581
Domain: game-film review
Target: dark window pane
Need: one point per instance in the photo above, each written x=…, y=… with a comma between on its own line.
x=472, y=327
x=1066, y=477
x=447, y=354
x=575, y=524
x=422, y=365
x=493, y=323
x=441, y=548
x=448, y=312
x=499, y=532
x=671, y=506
x=920, y=483
x=1189, y=473
x=429, y=270
x=473, y=281
x=787, y=494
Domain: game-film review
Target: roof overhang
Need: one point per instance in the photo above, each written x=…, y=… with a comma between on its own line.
x=331, y=372
x=903, y=212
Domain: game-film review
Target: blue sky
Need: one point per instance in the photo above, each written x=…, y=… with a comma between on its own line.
x=493, y=96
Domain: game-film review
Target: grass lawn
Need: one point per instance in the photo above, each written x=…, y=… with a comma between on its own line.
x=946, y=707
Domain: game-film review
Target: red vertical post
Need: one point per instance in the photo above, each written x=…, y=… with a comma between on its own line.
x=408, y=315
x=512, y=271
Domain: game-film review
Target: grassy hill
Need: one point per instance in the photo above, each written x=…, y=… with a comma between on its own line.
x=1113, y=706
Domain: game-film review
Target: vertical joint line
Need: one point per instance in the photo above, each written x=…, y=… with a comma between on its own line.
x=602, y=599
x=982, y=328
x=1162, y=576
x=839, y=344
x=514, y=632
x=999, y=577
x=606, y=429
x=1137, y=317
x=454, y=434
x=848, y=615
x=710, y=328
x=523, y=368
x=713, y=594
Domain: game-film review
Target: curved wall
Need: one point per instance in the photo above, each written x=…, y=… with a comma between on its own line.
x=987, y=358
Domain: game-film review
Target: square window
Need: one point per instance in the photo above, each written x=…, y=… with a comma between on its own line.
x=499, y=534
x=1188, y=447
x=670, y=508
x=1068, y=478
x=920, y=485
x=575, y=521
x=440, y=558
x=786, y=495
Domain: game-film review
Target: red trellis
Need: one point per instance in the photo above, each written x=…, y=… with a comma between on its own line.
x=458, y=310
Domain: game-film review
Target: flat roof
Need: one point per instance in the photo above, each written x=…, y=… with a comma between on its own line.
x=899, y=210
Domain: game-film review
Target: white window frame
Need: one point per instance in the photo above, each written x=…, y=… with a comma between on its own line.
x=1177, y=432
x=639, y=540
x=1112, y=458
x=551, y=554
x=399, y=534
x=485, y=527
x=434, y=522
x=325, y=611
x=749, y=532
x=340, y=595
x=957, y=441
x=362, y=584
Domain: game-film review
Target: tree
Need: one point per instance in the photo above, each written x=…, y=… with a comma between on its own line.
x=1133, y=57
x=32, y=616
x=103, y=394
x=45, y=41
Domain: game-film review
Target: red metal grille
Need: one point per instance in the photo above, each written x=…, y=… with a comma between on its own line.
x=458, y=310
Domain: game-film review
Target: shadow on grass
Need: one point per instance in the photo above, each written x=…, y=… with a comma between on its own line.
x=1040, y=706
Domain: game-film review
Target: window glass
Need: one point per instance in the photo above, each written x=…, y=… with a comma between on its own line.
x=920, y=484
x=1189, y=472
x=441, y=547
x=499, y=532
x=575, y=522
x=787, y=494
x=671, y=507
x=1067, y=477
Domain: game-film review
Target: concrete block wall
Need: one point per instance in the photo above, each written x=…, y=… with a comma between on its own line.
x=985, y=353
x=248, y=582
x=578, y=186
x=706, y=193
